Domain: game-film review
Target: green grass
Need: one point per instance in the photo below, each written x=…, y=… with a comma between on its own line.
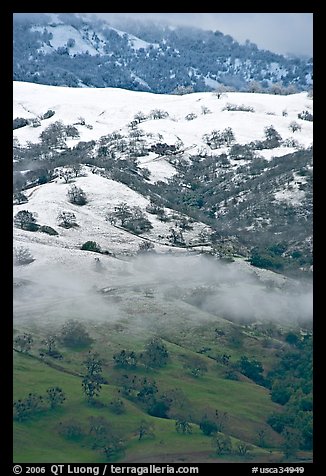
x=247, y=405
x=38, y=440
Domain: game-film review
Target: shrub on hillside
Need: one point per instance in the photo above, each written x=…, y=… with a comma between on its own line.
x=91, y=246
x=49, y=113
x=19, y=122
x=70, y=429
x=48, y=230
x=236, y=107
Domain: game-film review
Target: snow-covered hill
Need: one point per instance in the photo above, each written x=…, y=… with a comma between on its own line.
x=112, y=109
x=183, y=122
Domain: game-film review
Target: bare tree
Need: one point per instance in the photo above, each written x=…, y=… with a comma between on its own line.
x=20, y=197
x=66, y=175
x=145, y=428
x=67, y=219
x=55, y=396
x=25, y=220
x=24, y=342
x=76, y=195
x=22, y=256
x=294, y=126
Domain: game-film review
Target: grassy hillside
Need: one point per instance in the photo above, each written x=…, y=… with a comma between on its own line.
x=244, y=404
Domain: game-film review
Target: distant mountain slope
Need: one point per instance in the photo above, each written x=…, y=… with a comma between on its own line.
x=79, y=51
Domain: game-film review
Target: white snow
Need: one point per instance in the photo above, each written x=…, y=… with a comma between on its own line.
x=160, y=169
x=61, y=34
x=63, y=252
x=135, y=42
x=292, y=194
x=111, y=109
x=108, y=110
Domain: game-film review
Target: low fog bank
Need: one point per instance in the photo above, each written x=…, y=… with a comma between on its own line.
x=230, y=291
x=224, y=290
x=58, y=294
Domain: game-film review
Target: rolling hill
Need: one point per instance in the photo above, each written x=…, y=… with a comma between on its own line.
x=182, y=195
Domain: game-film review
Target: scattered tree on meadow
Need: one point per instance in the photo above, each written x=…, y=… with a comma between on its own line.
x=158, y=114
x=55, y=396
x=24, y=408
x=76, y=195
x=220, y=90
x=51, y=346
x=172, y=403
x=145, y=247
x=66, y=174
x=91, y=388
x=182, y=425
x=145, y=428
x=140, y=389
x=93, y=364
x=243, y=448
x=25, y=220
x=221, y=419
x=254, y=87
x=19, y=122
x=208, y=426
x=19, y=198
x=176, y=237
x=292, y=440
x=181, y=90
x=50, y=342
x=74, y=334
x=72, y=132
x=195, y=365
x=121, y=212
x=76, y=168
x=273, y=138
x=67, y=219
x=252, y=369
x=81, y=121
x=125, y=359
x=114, y=446
x=191, y=116
x=140, y=117
x=294, y=126
x=91, y=383
x=205, y=110
x=222, y=444
x=49, y=113
x=70, y=429
x=22, y=256
x=24, y=342
x=305, y=116
x=276, y=88
x=138, y=223
x=261, y=435
x=54, y=135
x=91, y=246
x=105, y=438
x=155, y=354
x=117, y=406
x=131, y=218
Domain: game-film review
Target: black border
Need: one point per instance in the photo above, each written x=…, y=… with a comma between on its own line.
x=6, y=449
